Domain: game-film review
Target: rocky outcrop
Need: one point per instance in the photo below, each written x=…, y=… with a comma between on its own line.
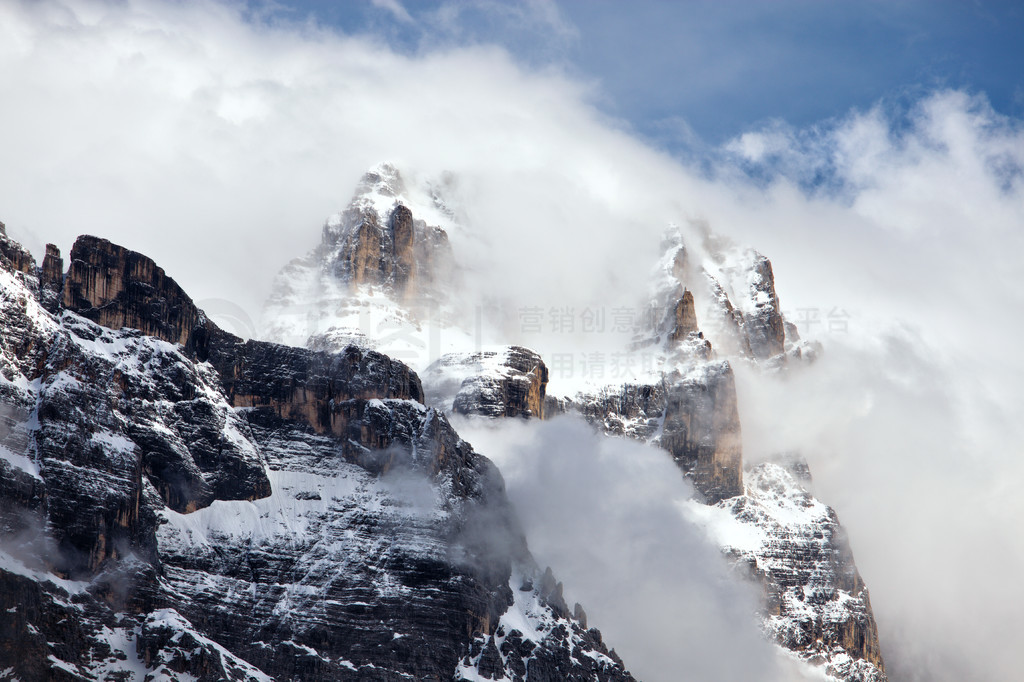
x=763, y=324
x=701, y=430
x=116, y=287
x=693, y=416
x=378, y=264
x=731, y=290
x=199, y=507
x=317, y=388
x=728, y=321
x=509, y=382
x=816, y=603
x=377, y=241
x=138, y=416
x=122, y=288
x=396, y=252
x=744, y=307
x=51, y=280
x=14, y=256
x=685, y=317
x=395, y=255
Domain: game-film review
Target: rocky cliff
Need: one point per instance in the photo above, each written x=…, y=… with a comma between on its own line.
x=507, y=382
x=379, y=270
x=816, y=603
x=693, y=415
x=115, y=288
x=182, y=504
x=712, y=308
x=732, y=290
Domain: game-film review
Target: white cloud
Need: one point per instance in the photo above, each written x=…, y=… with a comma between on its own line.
x=396, y=9
x=910, y=420
x=604, y=514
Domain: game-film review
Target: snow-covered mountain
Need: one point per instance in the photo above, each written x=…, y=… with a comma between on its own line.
x=381, y=277
x=179, y=504
x=711, y=304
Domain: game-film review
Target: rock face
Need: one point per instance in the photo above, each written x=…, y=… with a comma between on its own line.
x=51, y=280
x=115, y=288
x=685, y=317
x=741, y=289
x=713, y=307
x=185, y=505
x=763, y=324
x=693, y=416
x=400, y=255
x=733, y=294
x=508, y=382
x=816, y=603
x=378, y=269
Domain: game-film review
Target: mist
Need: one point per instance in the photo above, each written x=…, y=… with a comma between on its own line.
x=605, y=514
x=217, y=142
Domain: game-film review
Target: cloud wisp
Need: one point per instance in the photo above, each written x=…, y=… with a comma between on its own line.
x=605, y=514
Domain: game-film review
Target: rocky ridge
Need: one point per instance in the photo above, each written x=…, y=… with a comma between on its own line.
x=712, y=305
x=816, y=603
x=505, y=382
x=184, y=504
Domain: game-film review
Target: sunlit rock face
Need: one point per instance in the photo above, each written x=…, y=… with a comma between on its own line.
x=14, y=256
x=733, y=294
x=693, y=416
x=182, y=504
x=116, y=287
x=380, y=269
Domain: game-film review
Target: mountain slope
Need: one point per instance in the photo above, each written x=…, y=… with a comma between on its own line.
x=712, y=305
x=187, y=505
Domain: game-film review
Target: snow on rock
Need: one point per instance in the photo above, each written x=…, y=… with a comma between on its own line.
x=534, y=636
x=816, y=605
x=712, y=303
x=379, y=277
x=234, y=510
x=508, y=381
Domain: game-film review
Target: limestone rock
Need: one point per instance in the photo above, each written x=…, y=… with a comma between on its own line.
x=14, y=255
x=506, y=382
x=816, y=603
x=693, y=416
x=200, y=507
x=116, y=287
x=685, y=317
x=51, y=280
x=377, y=265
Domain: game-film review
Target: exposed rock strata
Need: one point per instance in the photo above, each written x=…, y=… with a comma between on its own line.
x=685, y=322
x=377, y=265
x=200, y=507
x=693, y=416
x=116, y=287
x=510, y=382
x=816, y=603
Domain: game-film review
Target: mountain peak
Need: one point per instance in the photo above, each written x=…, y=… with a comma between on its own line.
x=384, y=178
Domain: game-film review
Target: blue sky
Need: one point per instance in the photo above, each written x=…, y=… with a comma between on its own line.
x=687, y=74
